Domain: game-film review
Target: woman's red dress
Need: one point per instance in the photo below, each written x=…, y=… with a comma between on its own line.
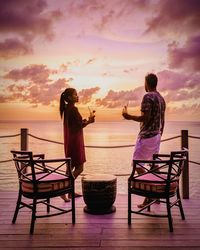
x=73, y=135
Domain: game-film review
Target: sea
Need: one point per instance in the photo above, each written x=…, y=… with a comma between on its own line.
x=103, y=141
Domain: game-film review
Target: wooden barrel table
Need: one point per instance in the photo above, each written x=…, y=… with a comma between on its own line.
x=99, y=193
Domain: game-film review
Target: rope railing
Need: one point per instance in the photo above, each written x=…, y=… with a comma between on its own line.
x=8, y=136
x=5, y=161
x=4, y=136
x=184, y=145
x=193, y=137
x=194, y=162
x=171, y=138
x=119, y=146
x=42, y=139
x=92, y=146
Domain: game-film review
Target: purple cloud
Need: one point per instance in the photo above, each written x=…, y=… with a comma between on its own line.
x=177, y=86
x=27, y=18
x=85, y=95
x=14, y=47
x=32, y=84
x=173, y=81
x=34, y=73
x=174, y=86
x=180, y=17
x=35, y=92
x=115, y=99
x=186, y=57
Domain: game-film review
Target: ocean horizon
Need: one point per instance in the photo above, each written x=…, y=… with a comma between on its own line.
x=115, y=160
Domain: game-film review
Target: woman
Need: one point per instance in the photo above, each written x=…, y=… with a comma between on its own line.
x=73, y=132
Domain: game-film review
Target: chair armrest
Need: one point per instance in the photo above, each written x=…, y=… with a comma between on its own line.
x=154, y=166
x=158, y=156
x=162, y=155
x=42, y=156
x=49, y=166
x=52, y=160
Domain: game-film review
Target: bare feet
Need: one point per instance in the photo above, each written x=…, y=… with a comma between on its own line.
x=76, y=195
x=146, y=202
x=64, y=198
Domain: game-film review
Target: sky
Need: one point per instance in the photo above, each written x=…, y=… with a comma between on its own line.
x=103, y=49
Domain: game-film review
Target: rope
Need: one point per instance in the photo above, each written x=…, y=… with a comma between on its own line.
x=5, y=161
x=42, y=139
x=194, y=137
x=168, y=139
x=195, y=162
x=122, y=174
x=120, y=146
x=4, y=136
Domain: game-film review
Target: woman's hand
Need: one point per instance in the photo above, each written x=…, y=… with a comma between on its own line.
x=91, y=118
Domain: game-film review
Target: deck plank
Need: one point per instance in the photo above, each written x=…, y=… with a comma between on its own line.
x=99, y=231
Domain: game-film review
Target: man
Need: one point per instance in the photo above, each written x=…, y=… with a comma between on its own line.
x=152, y=120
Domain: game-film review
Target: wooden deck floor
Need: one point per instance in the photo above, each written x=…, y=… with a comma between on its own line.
x=99, y=231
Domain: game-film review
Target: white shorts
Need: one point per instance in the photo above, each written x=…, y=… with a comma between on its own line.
x=146, y=147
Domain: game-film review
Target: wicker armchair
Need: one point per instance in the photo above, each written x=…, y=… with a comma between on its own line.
x=159, y=184
x=40, y=180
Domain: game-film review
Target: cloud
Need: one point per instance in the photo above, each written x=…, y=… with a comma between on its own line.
x=173, y=81
x=102, y=16
x=33, y=84
x=115, y=99
x=46, y=93
x=27, y=20
x=35, y=92
x=14, y=47
x=182, y=17
x=85, y=95
x=186, y=57
x=175, y=87
x=188, y=111
x=34, y=73
x=90, y=61
x=178, y=87
x=64, y=68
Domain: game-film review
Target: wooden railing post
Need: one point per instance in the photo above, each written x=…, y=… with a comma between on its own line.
x=24, y=139
x=185, y=175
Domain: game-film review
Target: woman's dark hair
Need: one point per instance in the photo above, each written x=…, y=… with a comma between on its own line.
x=64, y=97
x=151, y=80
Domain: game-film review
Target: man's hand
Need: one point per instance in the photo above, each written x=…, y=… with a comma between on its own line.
x=125, y=113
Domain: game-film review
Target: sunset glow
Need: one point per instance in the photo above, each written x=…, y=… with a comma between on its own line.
x=104, y=49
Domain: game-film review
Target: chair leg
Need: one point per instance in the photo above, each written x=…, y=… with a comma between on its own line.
x=129, y=207
x=33, y=216
x=48, y=207
x=149, y=207
x=17, y=207
x=73, y=207
x=169, y=215
x=180, y=205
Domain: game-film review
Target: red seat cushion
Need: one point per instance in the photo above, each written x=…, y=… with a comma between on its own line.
x=52, y=182
x=153, y=183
